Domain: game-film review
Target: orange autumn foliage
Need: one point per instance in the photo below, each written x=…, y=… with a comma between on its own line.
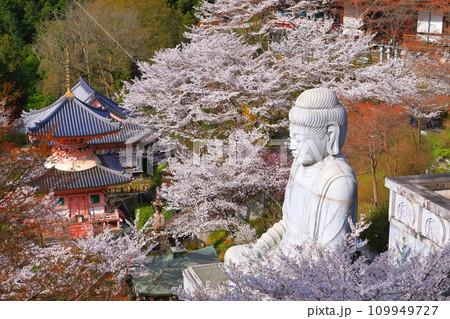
x=380, y=143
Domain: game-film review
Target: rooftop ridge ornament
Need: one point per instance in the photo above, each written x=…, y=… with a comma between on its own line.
x=69, y=95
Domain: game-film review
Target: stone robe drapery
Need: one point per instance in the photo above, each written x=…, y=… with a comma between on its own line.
x=318, y=201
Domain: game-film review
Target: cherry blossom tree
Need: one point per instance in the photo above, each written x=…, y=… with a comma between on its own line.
x=213, y=183
x=245, y=63
x=34, y=268
x=198, y=93
x=199, y=90
x=430, y=98
x=233, y=67
x=18, y=168
x=91, y=268
x=313, y=54
x=317, y=274
x=223, y=85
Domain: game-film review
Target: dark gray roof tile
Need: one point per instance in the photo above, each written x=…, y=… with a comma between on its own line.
x=111, y=161
x=73, y=118
x=98, y=176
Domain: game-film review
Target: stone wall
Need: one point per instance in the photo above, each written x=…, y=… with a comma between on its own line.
x=419, y=214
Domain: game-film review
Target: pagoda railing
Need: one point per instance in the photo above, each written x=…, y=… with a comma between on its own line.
x=139, y=188
x=101, y=217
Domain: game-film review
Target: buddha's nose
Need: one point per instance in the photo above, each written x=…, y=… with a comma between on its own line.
x=293, y=144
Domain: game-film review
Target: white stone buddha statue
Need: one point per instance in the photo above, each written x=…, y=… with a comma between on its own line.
x=321, y=192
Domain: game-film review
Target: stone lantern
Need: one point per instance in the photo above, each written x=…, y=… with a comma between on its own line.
x=158, y=217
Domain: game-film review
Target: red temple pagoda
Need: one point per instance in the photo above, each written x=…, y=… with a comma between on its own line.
x=86, y=130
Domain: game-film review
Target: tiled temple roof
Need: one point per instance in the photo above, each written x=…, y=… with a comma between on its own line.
x=101, y=105
x=70, y=118
x=111, y=161
x=109, y=173
x=88, y=95
x=128, y=131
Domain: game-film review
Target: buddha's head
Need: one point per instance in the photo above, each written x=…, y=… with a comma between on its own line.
x=318, y=125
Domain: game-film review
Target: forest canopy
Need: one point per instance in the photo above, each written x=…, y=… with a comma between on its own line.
x=35, y=37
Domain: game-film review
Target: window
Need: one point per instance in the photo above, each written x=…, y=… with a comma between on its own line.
x=95, y=198
x=60, y=201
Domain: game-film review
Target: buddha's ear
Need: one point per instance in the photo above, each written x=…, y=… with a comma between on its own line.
x=333, y=133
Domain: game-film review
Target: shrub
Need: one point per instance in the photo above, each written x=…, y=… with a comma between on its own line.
x=145, y=213
x=221, y=242
x=17, y=138
x=440, y=143
x=378, y=232
x=271, y=216
x=260, y=225
x=217, y=237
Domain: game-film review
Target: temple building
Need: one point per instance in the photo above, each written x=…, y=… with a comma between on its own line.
x=87, y=132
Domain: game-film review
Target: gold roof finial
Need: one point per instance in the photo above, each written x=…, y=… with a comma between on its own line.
x=69, y=93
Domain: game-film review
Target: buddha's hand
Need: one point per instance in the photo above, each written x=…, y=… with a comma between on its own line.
x=270, y=239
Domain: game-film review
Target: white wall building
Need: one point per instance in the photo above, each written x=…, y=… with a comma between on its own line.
x=430, y=26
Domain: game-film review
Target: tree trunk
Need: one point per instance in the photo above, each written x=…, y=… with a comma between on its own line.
x=419, y=123
x=111, y=68
x=87, y=63
x=396, y=150
x=373, y=173
x=386, y=152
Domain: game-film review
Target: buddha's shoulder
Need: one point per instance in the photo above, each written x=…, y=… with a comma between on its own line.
x=336, y=177
x=337, y=167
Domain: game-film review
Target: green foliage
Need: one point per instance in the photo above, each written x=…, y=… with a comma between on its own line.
x=221, y=241
x=145, y=213
x=23, y=22
x=139, y=28
x=365, y=191
x=223, y=247
x=163, y=24
x=259, y=224
x=17, y=138
x=19, y=21
x=378, y=232
x=156, y=178
x=271, y=216
x=192, y=245
x=20, y=18
x=37, y=100
x=35, y=268
x=217, y=237
x=440, y=143
x=168, y=212
x=9, y=56
x=186, y=8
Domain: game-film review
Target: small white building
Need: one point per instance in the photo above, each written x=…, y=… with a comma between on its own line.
x=351, y=19
x=430, y=26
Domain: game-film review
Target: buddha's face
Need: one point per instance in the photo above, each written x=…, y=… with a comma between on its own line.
x=306, y=145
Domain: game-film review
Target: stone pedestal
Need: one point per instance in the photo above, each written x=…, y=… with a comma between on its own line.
x=163, y=244
x=419, y=214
